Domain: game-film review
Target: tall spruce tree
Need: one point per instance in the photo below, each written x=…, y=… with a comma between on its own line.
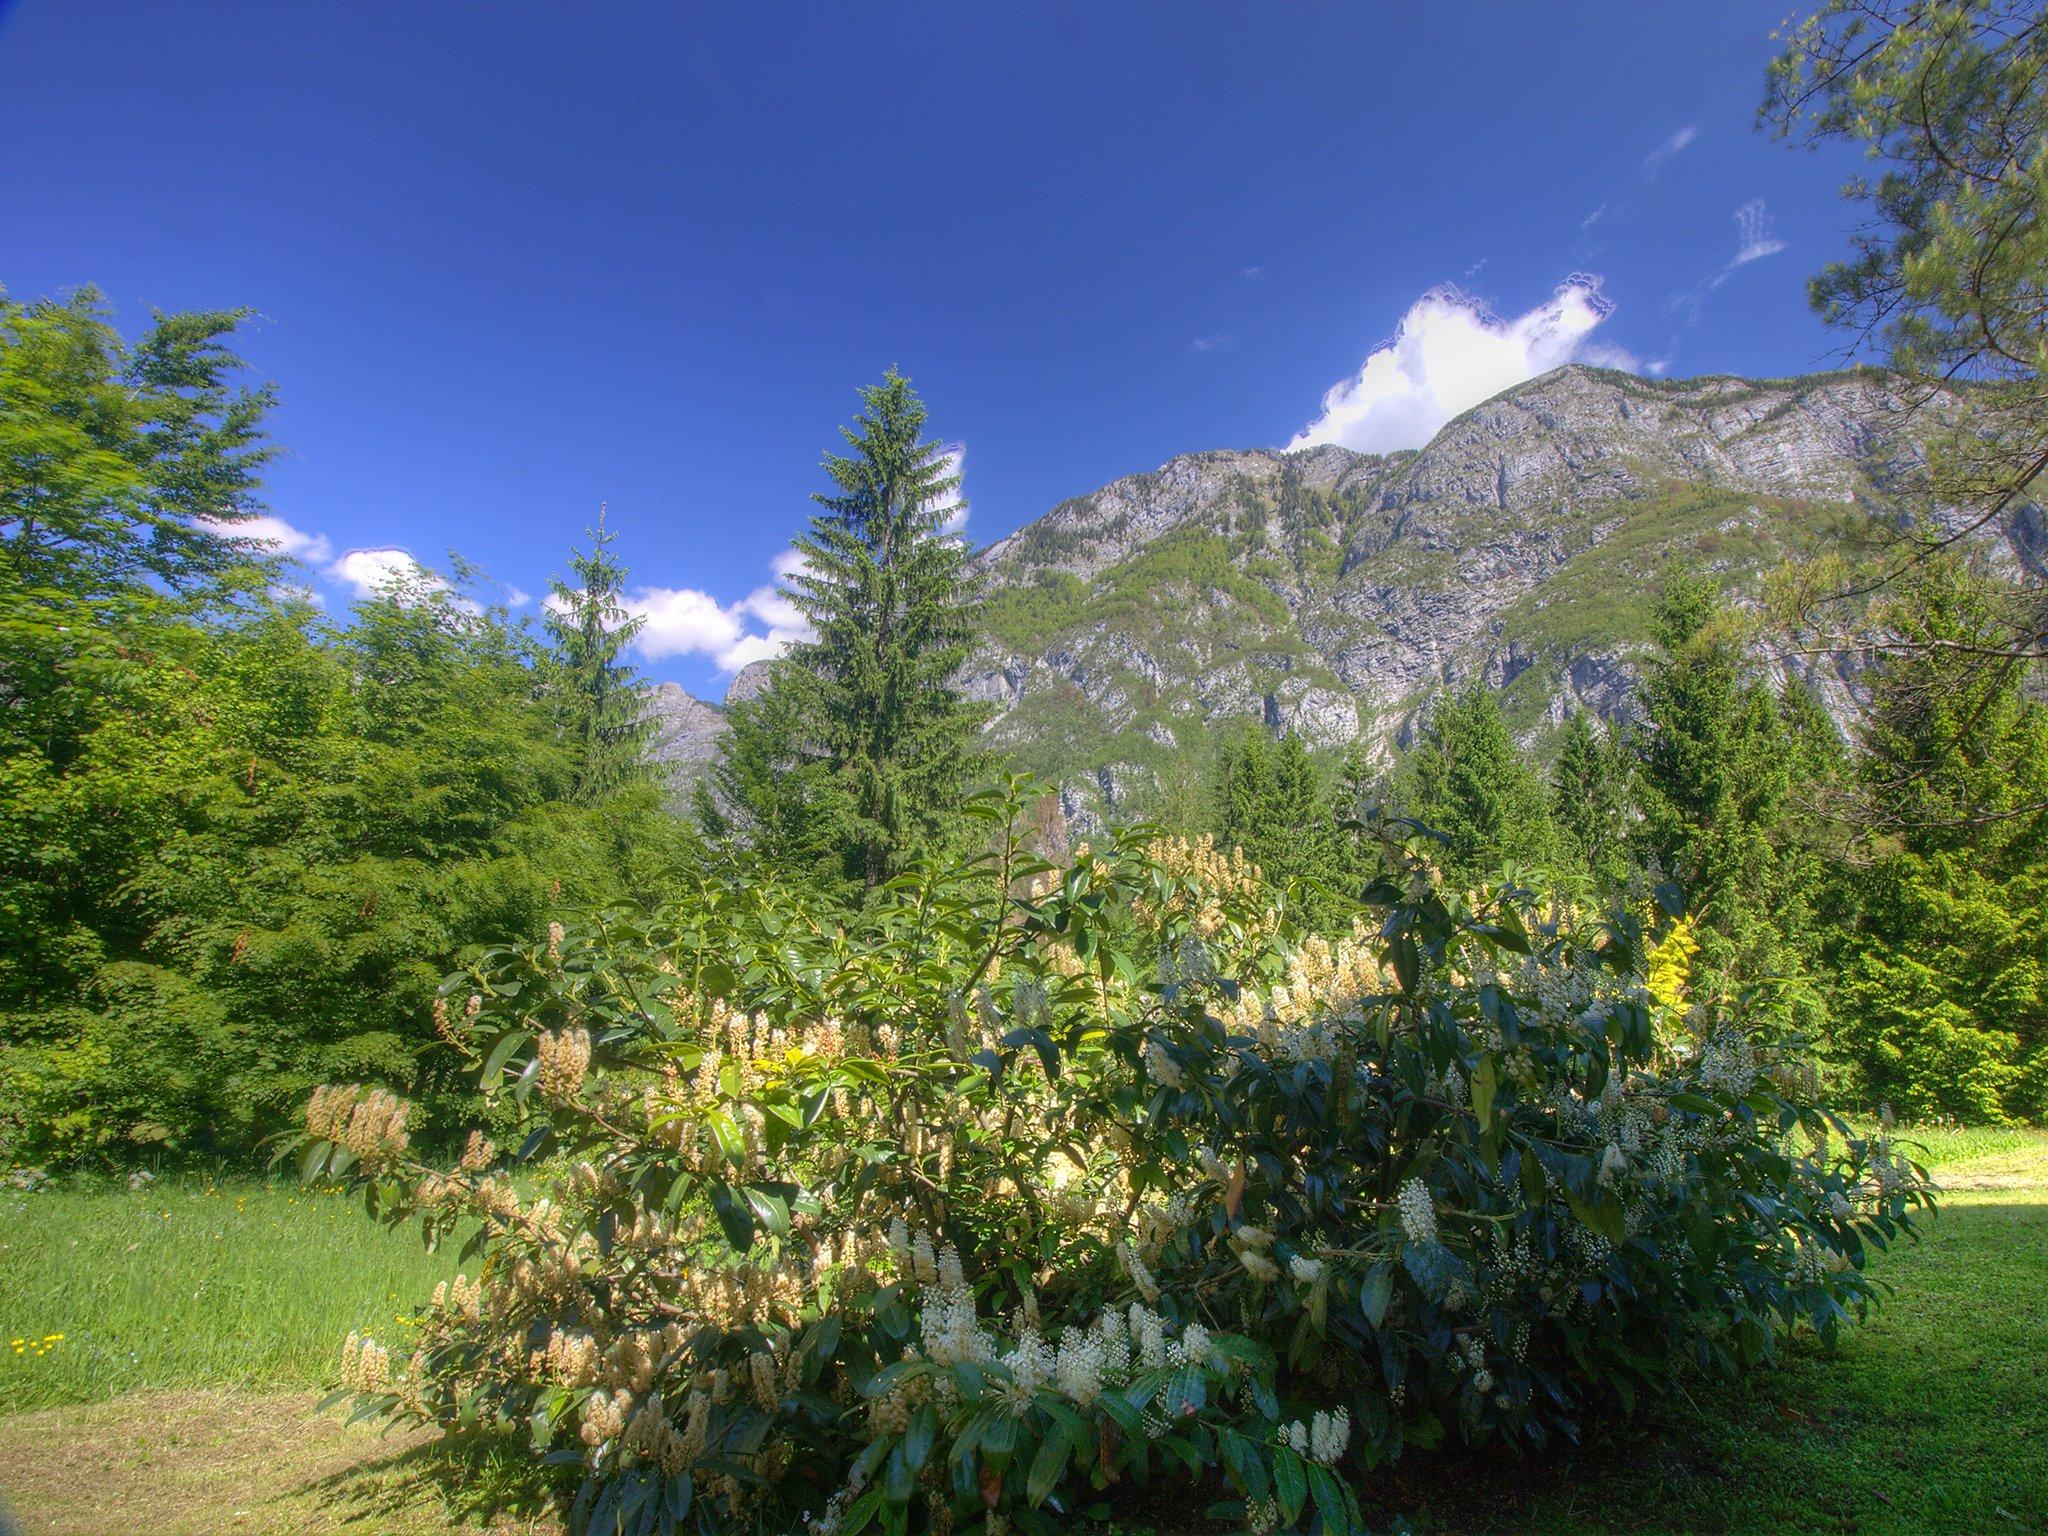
x=1466, y=779
x=1589, y=797
x=1272, y=804
x=1942, y=993
x=1711, y=764
x=603, y=709
x=1715, y=773
x=861, y=737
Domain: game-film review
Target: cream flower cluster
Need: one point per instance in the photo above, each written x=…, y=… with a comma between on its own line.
x=1251, y=1243
x=460, y=1297
x=365, y=1365
x=369, y=1122
x=1418, y=1212
x=1326, y=982
x=564, y=1060
x=1323, y=1438
x=1727, y=1064
x=1212, y=881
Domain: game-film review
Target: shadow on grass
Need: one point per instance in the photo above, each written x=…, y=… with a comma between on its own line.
x=1928, y=1419
x=482, y=1478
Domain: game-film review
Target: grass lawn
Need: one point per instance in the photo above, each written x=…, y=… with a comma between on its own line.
x=192, y=1283
x=172, y=1337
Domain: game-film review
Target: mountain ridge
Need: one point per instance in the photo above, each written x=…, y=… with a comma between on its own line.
x=1332, y=592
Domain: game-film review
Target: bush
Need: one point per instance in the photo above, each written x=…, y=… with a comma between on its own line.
x=1053, y=1180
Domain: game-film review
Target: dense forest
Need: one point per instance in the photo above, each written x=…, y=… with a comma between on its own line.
x=243, y=840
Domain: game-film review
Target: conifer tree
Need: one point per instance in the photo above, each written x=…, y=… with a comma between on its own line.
x=1942, y=995
x=1712, y=763
x=1589, y=797
x=1466, y=779
x=1273, y=805
x=861, y=735
x=1244, y=788
x=604, y=712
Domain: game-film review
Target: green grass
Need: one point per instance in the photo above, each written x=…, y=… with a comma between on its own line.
x=192, y=1283
x=1930, y=1418
x=1939, y=1146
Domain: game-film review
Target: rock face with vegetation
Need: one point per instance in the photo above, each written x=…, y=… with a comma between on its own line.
x=1330, y=593
x=685, y=736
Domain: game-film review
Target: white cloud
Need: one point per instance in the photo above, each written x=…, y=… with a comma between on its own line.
x=1219, y=342
x=274, y=533
x=1671, y=146
x=748, y=649
x=1252, y=274
x=366, y=573
x=1450, y=353
x=1753, y=227
x=369, y=572
x=683, y=621
x=773, y=606
x=1753, y=242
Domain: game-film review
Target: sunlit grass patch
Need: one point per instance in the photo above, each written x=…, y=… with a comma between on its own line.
x=106, y=1290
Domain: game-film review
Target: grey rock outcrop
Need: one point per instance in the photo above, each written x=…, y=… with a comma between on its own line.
x=1332, y=593
x=686, y=737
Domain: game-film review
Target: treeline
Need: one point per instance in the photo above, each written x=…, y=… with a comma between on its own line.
x=243, y=840
x=1885, y=898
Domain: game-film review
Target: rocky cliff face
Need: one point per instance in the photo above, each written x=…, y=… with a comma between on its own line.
x=1331, y=593
x=685, y=739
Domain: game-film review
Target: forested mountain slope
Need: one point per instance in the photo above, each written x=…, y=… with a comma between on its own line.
x=1331, y=592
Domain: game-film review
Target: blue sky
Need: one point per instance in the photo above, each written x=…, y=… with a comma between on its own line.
x=512, y=261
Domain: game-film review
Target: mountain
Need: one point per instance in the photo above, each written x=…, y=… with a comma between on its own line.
x=1332, y=593
x=685, y=738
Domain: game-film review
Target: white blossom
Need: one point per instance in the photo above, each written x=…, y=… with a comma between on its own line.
x=1418, y=1212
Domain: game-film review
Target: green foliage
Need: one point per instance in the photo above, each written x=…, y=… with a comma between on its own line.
x=121, y=468
x=1273, y=806
x=1466, y=778
x=1188, y=564
x=1713, y=772
x=861, y=747
x=239, y=845
x=1944, y=986
x=1819, y=1444
x=604, y=710
x=267, y=845
x=1951, y=98
x=1026, y=616
x=1591, y=799
x=1037, y=1180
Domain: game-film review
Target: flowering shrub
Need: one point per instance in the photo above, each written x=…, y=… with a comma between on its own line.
x=1046, y=1180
